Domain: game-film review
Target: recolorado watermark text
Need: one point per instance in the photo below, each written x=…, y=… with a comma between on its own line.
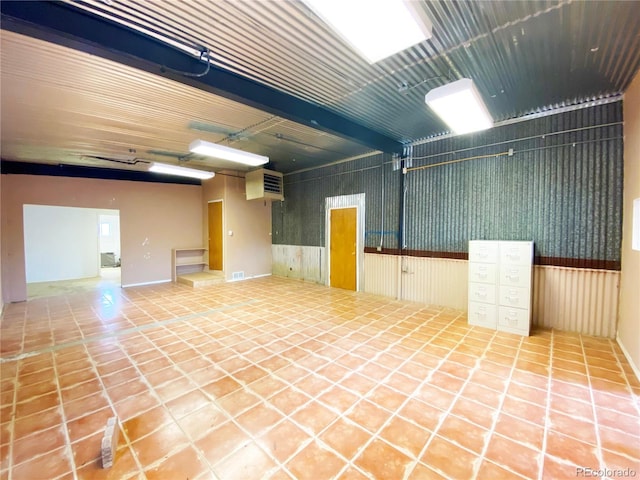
x=587, y=472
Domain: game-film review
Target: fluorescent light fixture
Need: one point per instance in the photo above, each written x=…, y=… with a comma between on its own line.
x=227, y=153
x=181, y=171
x=460, y=106
x=376, y=29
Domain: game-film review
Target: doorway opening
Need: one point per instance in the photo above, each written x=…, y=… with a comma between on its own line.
x=70, y=249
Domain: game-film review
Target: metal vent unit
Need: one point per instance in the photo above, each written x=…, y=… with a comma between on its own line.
x=264, y=184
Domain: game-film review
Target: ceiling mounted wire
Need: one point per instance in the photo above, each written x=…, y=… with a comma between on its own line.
x=404, y=87
x=282, y=137
x=458, y=160
x=133, y=161
x=204, y=57
x=247, y=132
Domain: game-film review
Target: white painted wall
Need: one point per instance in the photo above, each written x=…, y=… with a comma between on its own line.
x=61, y=243
x=110, y=242
x=629, y=320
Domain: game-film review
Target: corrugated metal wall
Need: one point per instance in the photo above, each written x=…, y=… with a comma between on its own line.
x=299, y=219
x=562, y=188
x=576, y=299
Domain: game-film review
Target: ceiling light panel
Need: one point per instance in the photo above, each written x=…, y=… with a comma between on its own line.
x=214, y=150
x=460, y=106
x=375, y=29
x=180, y=171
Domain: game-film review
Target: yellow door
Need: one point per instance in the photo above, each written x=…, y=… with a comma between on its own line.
x=342, y=250
x=215, y=235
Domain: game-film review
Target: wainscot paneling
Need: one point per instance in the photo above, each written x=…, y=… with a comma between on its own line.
x=572, y=299
x=295, y=261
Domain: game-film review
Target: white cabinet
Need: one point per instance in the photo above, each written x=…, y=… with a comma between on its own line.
x=514, y=287
x=500, y=280
x=483, y=251
x=482, y=314
x=513, y=320
x=483, y=275
x=481, y=292
x=513, y=296
x=187, y=260
x=515, y=275
x=483, y=272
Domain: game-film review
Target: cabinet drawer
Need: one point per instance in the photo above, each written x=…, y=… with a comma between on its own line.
x=515, y=275
x=514, y=297
x=483, y=251
x=482, y=272
x=514, y=320
x=482, y=292
x=482, y=314
x=516, y=253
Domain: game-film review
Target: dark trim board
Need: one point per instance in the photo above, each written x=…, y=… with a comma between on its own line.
x=594, y=264
x=77, y=171
x=418, y=253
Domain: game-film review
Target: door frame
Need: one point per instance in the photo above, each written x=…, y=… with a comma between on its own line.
x=224, y=237
x=346, y=201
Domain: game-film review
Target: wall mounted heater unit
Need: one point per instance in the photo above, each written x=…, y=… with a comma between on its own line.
x=264, y=184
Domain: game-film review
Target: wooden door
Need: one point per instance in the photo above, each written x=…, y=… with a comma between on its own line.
x=342, y=250
x=215, y=236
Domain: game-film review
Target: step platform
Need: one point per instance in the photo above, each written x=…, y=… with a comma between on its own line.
x=201, y=279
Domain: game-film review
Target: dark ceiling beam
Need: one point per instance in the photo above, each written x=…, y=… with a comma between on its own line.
x=72, y=27
x=8, y=167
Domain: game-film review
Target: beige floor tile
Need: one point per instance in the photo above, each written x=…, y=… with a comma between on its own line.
x=249, y=379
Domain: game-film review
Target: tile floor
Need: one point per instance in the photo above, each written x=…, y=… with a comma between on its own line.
x=275, y=378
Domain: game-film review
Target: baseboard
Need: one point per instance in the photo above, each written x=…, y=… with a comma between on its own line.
x=626, y=354
x=155, y=282
x=249, y=278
